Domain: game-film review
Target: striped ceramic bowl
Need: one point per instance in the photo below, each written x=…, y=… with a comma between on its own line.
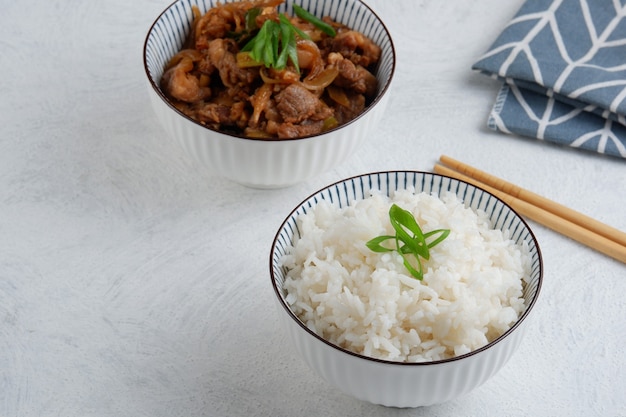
x=393, y=383
x=255, y=162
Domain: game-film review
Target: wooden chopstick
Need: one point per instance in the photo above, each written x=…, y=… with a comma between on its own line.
x=540, y=214
x=537, y=200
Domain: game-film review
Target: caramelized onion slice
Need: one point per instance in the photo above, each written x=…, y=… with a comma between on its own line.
x=267, y=79
x=322, y=80
x=338, y=95
x=257, y=133
x=259, y=102
x=280, y=76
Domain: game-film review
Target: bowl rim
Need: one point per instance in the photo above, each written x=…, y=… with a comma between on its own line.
x=382, y=93
x=291, y=314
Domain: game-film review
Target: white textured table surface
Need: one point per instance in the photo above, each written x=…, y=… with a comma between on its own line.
x=134, y=283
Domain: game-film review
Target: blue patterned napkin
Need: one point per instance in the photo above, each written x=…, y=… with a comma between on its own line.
x=563, y=64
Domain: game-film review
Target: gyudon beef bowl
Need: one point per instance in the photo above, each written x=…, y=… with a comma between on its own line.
x=405, y=288
x=269, y=93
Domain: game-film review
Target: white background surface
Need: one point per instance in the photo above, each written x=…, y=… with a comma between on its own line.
x=134, y=283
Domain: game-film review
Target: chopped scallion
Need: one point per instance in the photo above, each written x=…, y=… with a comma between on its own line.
x=409, y=240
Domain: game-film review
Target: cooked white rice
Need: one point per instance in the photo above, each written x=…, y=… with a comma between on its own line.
x=368, y=302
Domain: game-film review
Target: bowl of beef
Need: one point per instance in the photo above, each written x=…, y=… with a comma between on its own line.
x=269, y=93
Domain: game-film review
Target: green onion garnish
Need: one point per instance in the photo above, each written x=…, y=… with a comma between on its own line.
x=275, y=43
x=410, y=240
x=317, y=22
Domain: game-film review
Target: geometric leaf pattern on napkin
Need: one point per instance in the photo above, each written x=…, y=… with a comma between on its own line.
x=563, y=65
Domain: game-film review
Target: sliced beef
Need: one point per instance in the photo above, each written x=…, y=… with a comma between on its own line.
x=222, y=55
x=354, y=77
x=290, y=130
x=215, y=115
x=356, y=47
x=295, y=104
x=357, y=106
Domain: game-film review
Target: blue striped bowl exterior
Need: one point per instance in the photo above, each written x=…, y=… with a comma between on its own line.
x=402, y=384
x=266, y=163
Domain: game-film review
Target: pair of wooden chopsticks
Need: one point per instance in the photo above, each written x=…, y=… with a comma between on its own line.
x=575, y=225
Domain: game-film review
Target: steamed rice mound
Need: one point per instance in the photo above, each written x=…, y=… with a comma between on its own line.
x=368, y=303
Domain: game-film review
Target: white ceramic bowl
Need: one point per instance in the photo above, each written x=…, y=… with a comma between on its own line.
x=393, y=383
x=255, y=162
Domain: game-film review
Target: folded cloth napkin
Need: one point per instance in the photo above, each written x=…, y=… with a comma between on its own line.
x=563, y=67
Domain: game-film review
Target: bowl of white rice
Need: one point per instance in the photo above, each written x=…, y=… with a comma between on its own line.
x=376, y=331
